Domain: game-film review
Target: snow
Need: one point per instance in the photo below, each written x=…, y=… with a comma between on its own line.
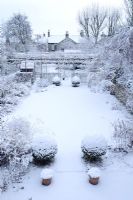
x=27, y=65
x=71, y=114
x=56, y=79
x=94, y=172
x=94, y=141
x=58, y=38
x=47, y=173
x=43, y=146
x=75, y=79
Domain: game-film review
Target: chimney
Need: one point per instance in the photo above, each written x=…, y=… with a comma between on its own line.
x=67, y=34
x=48, y=33
x=82, y=33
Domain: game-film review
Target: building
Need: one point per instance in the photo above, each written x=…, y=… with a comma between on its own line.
x=63, y=42
x=27, y=66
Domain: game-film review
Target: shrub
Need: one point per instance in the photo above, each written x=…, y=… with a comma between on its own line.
x=10, y=91
x=4, y=179
x=41, y=82
x=15, y=146
x=56, y=81
x=122, y=136
x=107, y=85
x=129, y=104
x=4, y=157
x=44, y=150
x=93, y=147
x=23, y=77
x=75, y=81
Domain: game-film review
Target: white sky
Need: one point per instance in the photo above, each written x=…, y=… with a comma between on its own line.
x=56, y=15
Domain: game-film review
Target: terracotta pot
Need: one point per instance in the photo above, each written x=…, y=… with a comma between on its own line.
x=46, y=181
x=94, y=181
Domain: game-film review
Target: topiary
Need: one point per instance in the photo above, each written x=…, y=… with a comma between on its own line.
x=75, y=81
x=56, y=81
x=44, y=150
x=93, y=147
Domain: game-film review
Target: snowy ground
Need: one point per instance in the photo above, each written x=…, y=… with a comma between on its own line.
x=71, y=113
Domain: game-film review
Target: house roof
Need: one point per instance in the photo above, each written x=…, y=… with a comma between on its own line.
x=55, y=39
x=58, y=38
x=42, y=40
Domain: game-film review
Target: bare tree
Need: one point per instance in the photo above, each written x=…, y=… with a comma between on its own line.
x=97, y=21
x=113, y=21
x=129, y=11
x=18, y=30
x=83, y=20
x=92, y=21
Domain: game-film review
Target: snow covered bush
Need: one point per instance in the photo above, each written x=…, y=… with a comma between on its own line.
x=129, y=104
x=4, y=179
x=44, y=150
x=92, y=79
x=75, y=81
x=93, y=147
x=41, y=82
x=23, y=77
x=107, y=85
x=122, y=136
x=15, y=146
x=56, y=81
x=8, y=86
x=11, y=92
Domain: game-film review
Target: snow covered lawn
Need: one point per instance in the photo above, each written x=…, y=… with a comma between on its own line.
x=70, y=114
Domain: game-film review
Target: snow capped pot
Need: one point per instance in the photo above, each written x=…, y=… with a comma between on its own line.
x=44, y=150
x=75, y=81
x=93, y=147
x=56, y=81
x=94, y=175
x=46, y=176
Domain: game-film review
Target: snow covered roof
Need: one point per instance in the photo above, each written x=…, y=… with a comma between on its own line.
x=27, y=65
x=40, y=39
x=55, y=39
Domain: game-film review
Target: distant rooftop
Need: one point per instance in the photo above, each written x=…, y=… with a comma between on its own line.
x=55, y=39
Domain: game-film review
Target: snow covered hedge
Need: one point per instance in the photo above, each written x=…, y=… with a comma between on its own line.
x=44, y=150
x=23, y=77
x=15, y=140
x=93, y=147
x=11, y=92
x=15, y=147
